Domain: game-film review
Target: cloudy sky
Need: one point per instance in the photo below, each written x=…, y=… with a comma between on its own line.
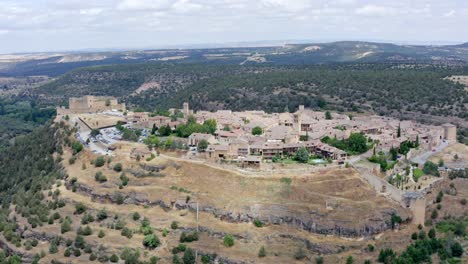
x=51, y=25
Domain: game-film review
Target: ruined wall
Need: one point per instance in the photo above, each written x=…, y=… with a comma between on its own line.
x=418, y=207
x=380, y=185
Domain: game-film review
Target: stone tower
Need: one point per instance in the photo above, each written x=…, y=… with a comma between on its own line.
x=450, y=132
x=185, y=109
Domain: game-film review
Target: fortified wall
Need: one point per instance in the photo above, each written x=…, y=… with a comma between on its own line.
x=416, y=201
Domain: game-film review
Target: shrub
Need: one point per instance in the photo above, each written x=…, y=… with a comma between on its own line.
x=189, y=256
x=80, y=242
x=101, y=234
x=67, y=253
x=434, y=214
x=414, y=236
x=439, y=197
x=126, y=232
x=179, y=248
x=76, y=252
x=118, y=167
x=228, y=240
x=431, y=233
x=92, y=257
x=124, y=179
x=457, y=249
x=299, y=254
x=258, y=223
x=262, y=252
x=174, y=225
x=88, y=249
x=100, y=177
x=136, y=216
x=319, y=260
x=370, y=247
x=65, y=226
x=99, y=162
x=53, y=248
x=80, y=208
x=184, y=237
x=114, y=258
x=87, y=231
x=463, y=201
x=176, y=260
x=119, y=199
x=87, y=218
x=151, y=241
x=102, y=214
x=422, y=235
x=349, y=260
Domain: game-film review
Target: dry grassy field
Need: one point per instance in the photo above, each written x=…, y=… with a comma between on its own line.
x=448, y=154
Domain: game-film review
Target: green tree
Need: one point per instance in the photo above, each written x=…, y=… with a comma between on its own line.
x=77, y=147
x=211, y=125
x=393, y=153
x=457, y=249
x=202, y=145
x=165, y=131
x=189, y=256
x=328, y=115
x=386, y=256
x=65, y=226
x=441, y=163
x=357, y=143
x=349, y=260
x=94, y=132
x=256, y=131
x=302, y=155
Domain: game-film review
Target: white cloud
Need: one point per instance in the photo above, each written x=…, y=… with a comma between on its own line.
x=374, y=10
x=144, y=5
x=450, y=13
x=91, y=11
x=287, y=5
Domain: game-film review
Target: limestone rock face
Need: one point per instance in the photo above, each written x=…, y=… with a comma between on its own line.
x=310, y=220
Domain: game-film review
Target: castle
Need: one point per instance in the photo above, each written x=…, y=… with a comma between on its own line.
x=91, y=104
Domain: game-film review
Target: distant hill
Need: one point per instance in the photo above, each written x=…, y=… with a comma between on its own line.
x=54, y=64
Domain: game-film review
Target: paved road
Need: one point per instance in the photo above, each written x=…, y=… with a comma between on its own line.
x=422, y=158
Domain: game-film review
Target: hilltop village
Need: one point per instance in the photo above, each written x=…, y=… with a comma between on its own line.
x=253, y=137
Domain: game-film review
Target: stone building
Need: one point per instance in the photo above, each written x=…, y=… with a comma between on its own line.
x=91, y=104
x=450, y=132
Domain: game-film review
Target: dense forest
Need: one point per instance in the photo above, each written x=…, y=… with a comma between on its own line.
x=26, y=169
x=19, y=116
